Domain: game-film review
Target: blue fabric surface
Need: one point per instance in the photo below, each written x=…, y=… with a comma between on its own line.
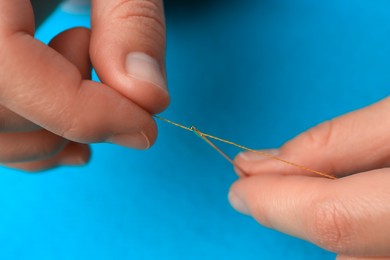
x=256, y=72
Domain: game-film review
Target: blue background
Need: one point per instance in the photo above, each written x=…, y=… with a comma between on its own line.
x=256, y=72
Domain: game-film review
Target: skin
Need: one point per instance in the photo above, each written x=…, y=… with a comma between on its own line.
x=50, y=110
x=349, y=216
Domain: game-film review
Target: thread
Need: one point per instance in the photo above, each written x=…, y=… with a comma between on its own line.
x=205, y=137
x=200, y=134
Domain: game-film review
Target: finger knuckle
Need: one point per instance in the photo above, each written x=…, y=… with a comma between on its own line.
x=330, y=225
x=320, y=136
x=145, y=12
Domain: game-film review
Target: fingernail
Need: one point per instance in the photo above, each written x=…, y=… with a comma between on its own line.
x=143, y=67
x=138, y=141
x=72, y=160
x=237, y=203
x=255, y=157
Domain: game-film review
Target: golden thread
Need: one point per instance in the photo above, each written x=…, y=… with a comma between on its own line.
x=204, y=136
x=200, y=134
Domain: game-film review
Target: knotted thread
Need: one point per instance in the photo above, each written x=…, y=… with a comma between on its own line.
x=205, y=137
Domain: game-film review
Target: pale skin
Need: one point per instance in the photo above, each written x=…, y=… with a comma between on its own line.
x=50, y=111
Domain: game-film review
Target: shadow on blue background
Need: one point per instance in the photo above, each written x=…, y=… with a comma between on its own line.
x=256, y=72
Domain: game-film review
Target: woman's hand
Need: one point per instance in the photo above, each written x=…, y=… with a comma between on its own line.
x=48, y=105
x=350, y=215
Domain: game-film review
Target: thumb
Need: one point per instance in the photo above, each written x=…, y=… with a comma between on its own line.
x=349, y=144
x=348, y=216
x=128, y=50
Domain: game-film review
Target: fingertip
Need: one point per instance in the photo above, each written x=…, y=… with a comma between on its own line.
x=137, y=141
x=136, y=76
x=253, y=163
x=257, y=156
x=241, y=194
x=240, y=173
x=142, y=139
x=273, y=199
x=75, y=154
x=147, y=83
x=238, y=202
x=143, y=67
x=133, y=63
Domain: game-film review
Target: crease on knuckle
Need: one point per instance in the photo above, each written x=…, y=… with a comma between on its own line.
x=73, y=127
x=84, y=127
x=319, y=139
x=146, y=11
x=80, y=129
x=330, y=225
x=321, y=136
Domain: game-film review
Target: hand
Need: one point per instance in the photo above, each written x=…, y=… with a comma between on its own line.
x=349, y=216
x=47, y=104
